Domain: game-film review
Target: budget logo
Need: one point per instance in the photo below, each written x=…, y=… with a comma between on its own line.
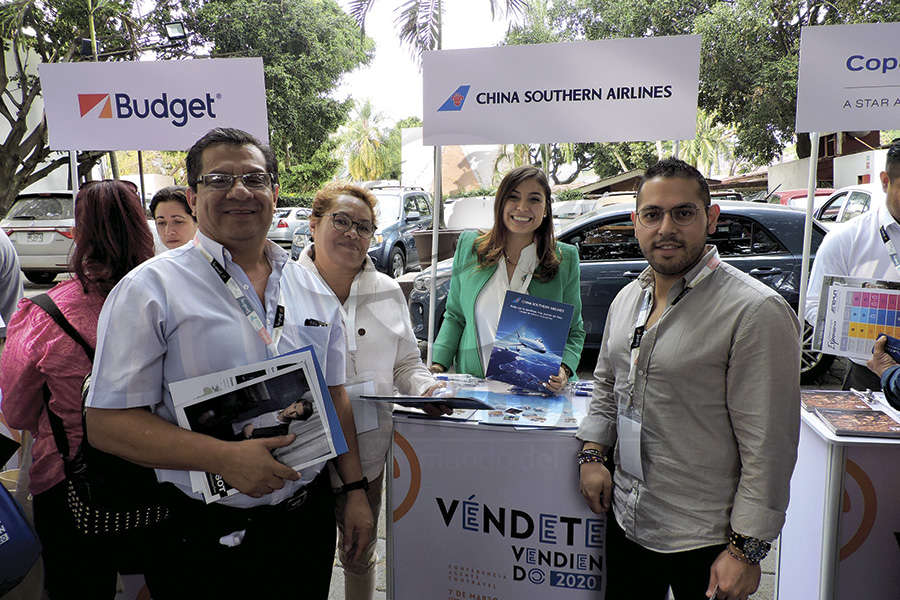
x=87, y=103
x=456, y=99
x=178, y=111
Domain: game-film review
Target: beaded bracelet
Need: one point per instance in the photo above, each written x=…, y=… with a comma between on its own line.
x=739, y=557
x=592, y=455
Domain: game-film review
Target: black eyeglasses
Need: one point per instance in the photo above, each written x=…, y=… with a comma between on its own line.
x=343, y=223
x=652, y=216
x=224, y=181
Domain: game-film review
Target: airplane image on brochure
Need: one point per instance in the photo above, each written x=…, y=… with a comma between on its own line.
x=531, y=337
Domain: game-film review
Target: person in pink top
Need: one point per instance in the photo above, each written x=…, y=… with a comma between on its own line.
x=111, y=238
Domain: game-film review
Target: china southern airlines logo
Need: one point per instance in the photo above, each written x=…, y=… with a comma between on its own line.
x=87, y=103
x=456, y=100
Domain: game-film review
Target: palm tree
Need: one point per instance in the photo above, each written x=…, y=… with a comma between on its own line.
x=362, y=142
x=420, y=20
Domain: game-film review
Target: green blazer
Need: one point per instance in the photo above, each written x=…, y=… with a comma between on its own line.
x=458, y=339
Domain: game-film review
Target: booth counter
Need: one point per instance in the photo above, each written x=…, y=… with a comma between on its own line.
x=482, y=512
x=841, y=539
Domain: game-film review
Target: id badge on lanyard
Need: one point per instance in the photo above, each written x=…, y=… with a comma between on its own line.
x=628, y=424
x=259, y=326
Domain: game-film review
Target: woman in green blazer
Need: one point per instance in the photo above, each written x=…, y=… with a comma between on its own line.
x=521, y=254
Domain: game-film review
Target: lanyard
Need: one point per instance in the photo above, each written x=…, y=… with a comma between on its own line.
x=271, y=341
x=890, y=247
x=640, y=322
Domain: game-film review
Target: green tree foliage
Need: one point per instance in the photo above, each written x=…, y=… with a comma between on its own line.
x=308, y=176
x=306, y=46
x=749, y=56
x=370, y=148
x=48, y=31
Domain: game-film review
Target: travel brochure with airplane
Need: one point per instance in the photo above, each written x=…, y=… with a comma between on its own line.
x=530, y=341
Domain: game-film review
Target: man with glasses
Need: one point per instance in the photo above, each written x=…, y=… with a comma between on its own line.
x=697, y=387
x=864, y=247
x=229, y=299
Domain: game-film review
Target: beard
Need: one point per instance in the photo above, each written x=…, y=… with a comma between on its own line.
x=680, y=263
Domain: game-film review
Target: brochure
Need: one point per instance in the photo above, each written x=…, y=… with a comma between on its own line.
x=853, y=312
x=275, y=397
x=530, y=341
x=869, y=423
x=834, y=399
x=418, y=401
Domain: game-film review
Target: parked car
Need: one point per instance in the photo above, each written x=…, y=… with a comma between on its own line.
x=762, y=240
x=284, y=222
x=719, y=195
x=302, y=237
x=39, y=224
x=399, y=212
x=797, y=198
x=849, y=202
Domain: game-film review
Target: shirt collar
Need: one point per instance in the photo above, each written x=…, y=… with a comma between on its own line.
x=645, y=279
x=276, y=255
x=885, y=218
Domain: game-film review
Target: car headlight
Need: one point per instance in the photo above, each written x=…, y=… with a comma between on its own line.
x=421, y=283
x=376, y=240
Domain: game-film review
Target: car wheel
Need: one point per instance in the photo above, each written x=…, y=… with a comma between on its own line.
x=396, y=262
x=42, y=277
x=812, y=364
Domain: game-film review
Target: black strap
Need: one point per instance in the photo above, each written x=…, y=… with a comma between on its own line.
x=56, y=424
x=46, y=302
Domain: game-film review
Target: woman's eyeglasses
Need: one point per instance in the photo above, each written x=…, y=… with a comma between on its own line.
x=343, y=223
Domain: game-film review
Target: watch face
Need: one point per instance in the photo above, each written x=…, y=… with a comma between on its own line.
x=755, y=550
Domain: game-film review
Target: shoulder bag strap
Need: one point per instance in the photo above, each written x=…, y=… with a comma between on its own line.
x=45, y=302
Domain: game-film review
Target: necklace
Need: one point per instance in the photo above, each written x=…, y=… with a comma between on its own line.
x=508, y=260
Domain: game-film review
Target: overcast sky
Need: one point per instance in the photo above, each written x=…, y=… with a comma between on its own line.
x=393, y=80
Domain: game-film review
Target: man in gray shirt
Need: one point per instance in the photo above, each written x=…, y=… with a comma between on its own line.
x=10, y=281
x=697, y=385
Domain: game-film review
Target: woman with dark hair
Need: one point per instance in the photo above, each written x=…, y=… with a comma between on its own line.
x=175, y=221
x=520, y=253
x=111, y=238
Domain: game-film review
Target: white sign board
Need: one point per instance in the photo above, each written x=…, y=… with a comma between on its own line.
x=491, y=513
x=152, y=105
x=601, y=91
x=849, y=78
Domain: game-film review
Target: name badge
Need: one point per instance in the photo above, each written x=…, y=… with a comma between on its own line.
x=629, y=431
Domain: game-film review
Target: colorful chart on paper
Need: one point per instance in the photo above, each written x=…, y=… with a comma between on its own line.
x=854, y=317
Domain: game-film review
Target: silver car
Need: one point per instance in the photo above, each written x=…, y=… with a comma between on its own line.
x=39, y=224
x=284, y=222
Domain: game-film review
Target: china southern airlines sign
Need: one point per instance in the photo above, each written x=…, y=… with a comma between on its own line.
x=163, y=105
x=609, y=90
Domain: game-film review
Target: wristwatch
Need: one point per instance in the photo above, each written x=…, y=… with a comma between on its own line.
x=753, y=549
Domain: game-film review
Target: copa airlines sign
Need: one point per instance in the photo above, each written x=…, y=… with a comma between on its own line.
x=609, y=90
x=849, y=78
x=151, y=105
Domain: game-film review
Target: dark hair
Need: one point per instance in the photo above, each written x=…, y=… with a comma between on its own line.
x=171, y=193
x=111, y=234
x=232, y=137
x=490, y=245
x=673, y=167
x=328, y=195
x=892, y=162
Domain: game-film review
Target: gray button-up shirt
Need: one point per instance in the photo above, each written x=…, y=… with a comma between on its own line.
x=717, y=389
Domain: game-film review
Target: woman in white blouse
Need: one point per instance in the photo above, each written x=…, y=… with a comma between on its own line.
x=382, y=353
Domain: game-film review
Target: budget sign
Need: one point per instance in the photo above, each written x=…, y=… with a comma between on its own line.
x=164, y=105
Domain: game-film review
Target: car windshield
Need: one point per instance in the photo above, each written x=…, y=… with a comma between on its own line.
x=387, y=210
x=42, y=208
